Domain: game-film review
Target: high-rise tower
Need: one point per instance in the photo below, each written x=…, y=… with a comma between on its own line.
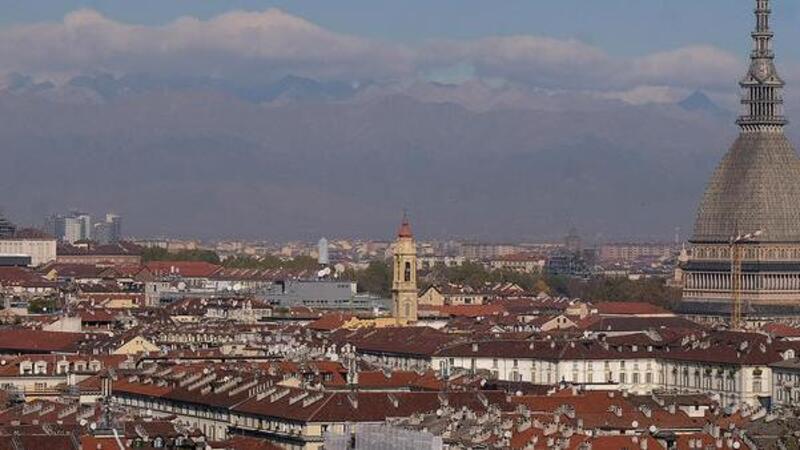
x=404, y=279
x=746, y=241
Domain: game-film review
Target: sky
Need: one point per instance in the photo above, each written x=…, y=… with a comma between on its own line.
x=647, y=50
x=621, y=27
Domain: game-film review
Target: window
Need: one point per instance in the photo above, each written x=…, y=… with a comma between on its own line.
x=636, y=378
x=622, y=377
x=516, y=363
x=407, y=275
x=494, y=362
x=648, y=378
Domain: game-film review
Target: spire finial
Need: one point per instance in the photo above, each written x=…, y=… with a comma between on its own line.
x=762, y=99
x=405, y=227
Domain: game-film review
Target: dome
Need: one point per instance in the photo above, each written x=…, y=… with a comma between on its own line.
x=756, y=187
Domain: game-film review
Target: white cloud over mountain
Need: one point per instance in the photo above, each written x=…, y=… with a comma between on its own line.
x=272, y=43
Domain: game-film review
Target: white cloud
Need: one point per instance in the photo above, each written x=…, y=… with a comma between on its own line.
x=537, y=60
x=701, y=65
x=272, y=43
x=642, y=95
x=231, y=43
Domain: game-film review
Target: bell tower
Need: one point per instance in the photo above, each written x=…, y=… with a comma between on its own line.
x=404, y=280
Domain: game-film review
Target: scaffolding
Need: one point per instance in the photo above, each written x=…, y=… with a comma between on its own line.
x=381, y=437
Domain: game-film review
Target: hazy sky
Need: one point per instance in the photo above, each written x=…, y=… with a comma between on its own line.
x=621, y=27
x=639, y=50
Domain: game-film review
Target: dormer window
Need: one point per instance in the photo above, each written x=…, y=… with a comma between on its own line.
x=26, y=368
x=40, y=368
x=62, y=367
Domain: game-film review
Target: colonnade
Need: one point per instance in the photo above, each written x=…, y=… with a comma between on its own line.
x=721, y=281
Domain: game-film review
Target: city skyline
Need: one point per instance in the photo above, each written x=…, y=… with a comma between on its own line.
x=516, y=303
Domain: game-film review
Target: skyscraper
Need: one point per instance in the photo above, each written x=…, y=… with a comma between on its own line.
x=746, y=241
x=322, y=251
x=115, y=224
x=7, y=229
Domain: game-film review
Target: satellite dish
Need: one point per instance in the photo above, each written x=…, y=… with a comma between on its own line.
x=83, y=422
x=635, y=424
x=93, y=426
x=237, y=287
x=181, y=285
x=653, y=429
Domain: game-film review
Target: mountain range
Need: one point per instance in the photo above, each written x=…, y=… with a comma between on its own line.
x=299, y=159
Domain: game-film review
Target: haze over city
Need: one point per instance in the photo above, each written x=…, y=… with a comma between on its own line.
x=363, y=225
x=292, y=120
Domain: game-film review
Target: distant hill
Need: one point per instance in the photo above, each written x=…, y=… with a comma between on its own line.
x=698, y=101
x=301, y=159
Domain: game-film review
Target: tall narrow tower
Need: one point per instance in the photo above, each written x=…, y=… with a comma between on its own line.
x=404, y=280
x=746, y=242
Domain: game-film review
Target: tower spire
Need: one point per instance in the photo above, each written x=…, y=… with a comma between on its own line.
x=762, y=98
x=405, y=227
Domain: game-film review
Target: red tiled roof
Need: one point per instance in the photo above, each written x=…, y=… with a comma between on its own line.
x=245, y=443
x=629, y=308
x=35, y=341
x=781, y=330
x=23, y=277
x=331, y=321
x=189, y=269
x=618, y=442
x=703, y=440
x=466, y=310
x=29, y=234
x=73, y=270
x=405, y=230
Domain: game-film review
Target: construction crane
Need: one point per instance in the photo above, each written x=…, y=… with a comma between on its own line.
x=736, y=276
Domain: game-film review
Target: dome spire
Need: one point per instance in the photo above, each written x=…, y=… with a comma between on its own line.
x=762, y=98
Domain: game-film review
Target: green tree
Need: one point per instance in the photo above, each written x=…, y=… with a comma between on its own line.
x=160, y=254
x=375, y=279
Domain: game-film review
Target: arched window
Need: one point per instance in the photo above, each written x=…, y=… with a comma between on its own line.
x=408, y=310
x=407, y=275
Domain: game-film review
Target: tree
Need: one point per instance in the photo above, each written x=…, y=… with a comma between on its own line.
x=160, y=254
x=649, y=290
x=375, y=279
x=541, y=286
